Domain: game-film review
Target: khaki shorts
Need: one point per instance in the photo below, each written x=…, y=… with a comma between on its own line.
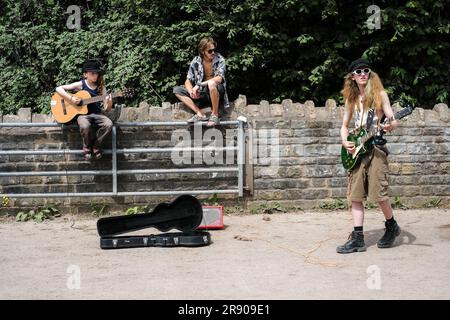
x=369, y=178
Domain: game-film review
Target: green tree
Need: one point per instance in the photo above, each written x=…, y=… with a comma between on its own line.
x=274, y=49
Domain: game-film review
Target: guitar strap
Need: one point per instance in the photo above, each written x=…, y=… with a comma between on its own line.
x=369, y=121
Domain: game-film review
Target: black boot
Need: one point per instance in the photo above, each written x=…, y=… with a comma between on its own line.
x=391, y=232
x=354, y=244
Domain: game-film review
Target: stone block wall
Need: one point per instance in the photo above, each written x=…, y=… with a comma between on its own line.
x=294, y=157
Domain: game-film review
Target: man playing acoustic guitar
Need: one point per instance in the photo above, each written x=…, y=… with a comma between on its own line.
x=363, y=91
x=93, y=83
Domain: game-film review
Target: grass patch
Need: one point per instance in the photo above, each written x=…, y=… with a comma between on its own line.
x=211, y=201
x=137, y=210
x=398, y=204
x=233, y=209
x=99, y=209
x=267, y=208
x=337, y=204
x=370, y=205
x=432, y=203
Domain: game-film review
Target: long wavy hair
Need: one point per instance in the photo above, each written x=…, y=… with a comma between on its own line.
x=372, y=93
x=100, y=82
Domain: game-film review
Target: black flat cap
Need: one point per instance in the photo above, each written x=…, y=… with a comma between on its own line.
x=357, y=64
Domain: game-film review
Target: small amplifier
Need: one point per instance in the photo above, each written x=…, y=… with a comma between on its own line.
x=212, y=217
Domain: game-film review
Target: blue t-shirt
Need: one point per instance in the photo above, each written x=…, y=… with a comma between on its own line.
x=92, y=107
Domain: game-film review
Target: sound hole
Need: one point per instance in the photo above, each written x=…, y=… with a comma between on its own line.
x=63, y=103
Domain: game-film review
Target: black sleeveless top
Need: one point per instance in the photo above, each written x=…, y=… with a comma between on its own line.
x=92, y=107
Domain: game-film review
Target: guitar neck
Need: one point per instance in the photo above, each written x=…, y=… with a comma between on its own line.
x=402, y=113
x=100, y=98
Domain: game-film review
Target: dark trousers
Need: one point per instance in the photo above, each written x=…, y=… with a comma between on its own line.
x=86, y=123
x=205, y=97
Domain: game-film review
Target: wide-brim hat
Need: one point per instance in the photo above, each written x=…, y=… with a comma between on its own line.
x=93, y=66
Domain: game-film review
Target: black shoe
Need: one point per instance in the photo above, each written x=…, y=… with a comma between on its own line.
x=354, y=244
x=391, y=232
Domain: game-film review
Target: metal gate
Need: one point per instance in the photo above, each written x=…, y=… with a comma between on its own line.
x=239, y=168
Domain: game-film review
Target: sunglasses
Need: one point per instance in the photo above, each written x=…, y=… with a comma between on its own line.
x=361, y=71
x=211, y=51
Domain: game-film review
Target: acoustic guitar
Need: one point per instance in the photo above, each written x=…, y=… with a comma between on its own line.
x=64, y=111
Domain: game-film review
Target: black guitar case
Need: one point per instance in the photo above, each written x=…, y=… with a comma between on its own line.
x=185, y=213
x=171, y=239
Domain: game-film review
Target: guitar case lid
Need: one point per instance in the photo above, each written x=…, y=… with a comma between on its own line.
x=185, y=213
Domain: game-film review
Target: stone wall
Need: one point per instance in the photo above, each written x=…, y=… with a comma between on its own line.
x=294, y=158
x=310, y=171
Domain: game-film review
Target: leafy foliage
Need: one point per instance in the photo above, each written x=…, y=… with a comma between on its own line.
x=398, y=204
x=434, y=202
x=268, y=208
x=337, y=204
x=274, y=49
x=99, y=209
x=138, y=210
x=5, y=201
x=39, y=214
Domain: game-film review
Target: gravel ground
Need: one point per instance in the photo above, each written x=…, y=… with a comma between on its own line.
x=278, y=256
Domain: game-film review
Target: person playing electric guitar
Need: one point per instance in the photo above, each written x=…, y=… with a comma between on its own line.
x=363, y=91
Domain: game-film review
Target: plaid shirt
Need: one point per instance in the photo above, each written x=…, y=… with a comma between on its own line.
x=196, y=73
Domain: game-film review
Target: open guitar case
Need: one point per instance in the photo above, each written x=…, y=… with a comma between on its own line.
x=185, y=213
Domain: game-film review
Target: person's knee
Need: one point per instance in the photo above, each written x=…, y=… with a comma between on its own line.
x=357, y=203
x=84, y=126
x=212, y=85
x=180, y=93
x=107, y=124
x=178, y=90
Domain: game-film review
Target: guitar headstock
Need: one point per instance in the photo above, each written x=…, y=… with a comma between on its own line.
x=126, y=93
x=405, y=111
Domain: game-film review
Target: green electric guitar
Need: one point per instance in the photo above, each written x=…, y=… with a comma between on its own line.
x=364, y=140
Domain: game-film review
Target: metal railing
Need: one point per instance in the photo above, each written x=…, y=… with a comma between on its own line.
x=114, y=172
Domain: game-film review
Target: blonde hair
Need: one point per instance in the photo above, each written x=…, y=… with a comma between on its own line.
x=372, y=93
x=203, y=44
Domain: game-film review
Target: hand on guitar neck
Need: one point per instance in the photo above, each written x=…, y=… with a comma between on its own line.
x=389, y=125
x=107, y=103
